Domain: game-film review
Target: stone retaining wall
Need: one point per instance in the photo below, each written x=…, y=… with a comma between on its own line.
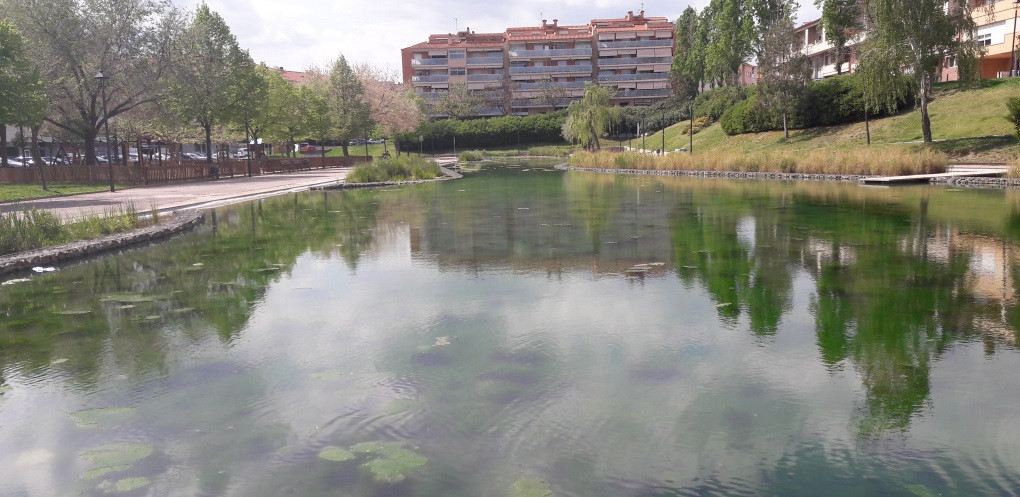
x=448, y=174
x=720, y=174
x=24, y=261
x=977, y=182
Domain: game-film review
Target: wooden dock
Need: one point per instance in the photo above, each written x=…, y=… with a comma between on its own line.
x=926, y=178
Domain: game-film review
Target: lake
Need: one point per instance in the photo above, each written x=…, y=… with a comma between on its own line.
x=526, y=332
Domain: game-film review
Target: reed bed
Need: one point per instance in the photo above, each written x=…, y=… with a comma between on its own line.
x=405, y=168
x=471, y=156
x=33, y=229
x=869, y=162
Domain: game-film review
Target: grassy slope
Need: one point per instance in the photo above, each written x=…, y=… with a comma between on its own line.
x=10, y=193
x=967, y=121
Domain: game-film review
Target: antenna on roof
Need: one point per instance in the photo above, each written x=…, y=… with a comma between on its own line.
x=456, y=25
x=540, y=15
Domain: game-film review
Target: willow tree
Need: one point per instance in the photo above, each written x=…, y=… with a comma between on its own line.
x=591, y=117
x=129, y=41
x=915, y=37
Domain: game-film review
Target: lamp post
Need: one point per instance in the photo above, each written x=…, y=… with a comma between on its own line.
x=421, y=145
x=101, y=78
x=662, y=151
x=690, y=148
x=1012, y=51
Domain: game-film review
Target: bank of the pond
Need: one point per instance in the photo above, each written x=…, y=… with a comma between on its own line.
x=24, y=261
x=448, y=174
x=717, y=174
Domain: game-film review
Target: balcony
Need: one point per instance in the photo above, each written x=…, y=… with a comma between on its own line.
x=575, y=69
x=636, y=44
x=632, y=61
x=618, y=78
x=556, y=52
x=661, y=92
x=482, y=78
x=441, y=78
x=571, y=85
x=485, y=61
x=428, y=62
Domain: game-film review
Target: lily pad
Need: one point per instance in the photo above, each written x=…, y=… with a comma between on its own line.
x=919, y=490
x=126, y=298
x=5, y=388
x=118, y=453
x=336, y=454
x=92, y=418
x=530, y=487
x=392, y=463
x=124, y=485
x=92, y=474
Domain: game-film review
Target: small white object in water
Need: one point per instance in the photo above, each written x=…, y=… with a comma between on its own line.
x=40, y=269
x=14, y=281
x=60, y=361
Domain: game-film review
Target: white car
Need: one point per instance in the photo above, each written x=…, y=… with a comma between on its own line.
x=14, y=162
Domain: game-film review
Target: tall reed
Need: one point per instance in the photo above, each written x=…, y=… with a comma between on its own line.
x=33, y=229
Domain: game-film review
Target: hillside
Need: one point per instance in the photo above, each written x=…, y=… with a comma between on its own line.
x=967, y=125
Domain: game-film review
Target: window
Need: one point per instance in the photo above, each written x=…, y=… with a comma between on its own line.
x=457, y=71
x=951, y=61
x=985, y=39
x=457, y=54
x=518, y=63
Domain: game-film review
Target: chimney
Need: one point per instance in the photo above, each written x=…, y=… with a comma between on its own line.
x=630, y=15
x=544, y=23
x=555, y=22
x=641, y=14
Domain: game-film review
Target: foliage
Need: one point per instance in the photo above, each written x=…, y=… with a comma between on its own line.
x=840, y=18
x=784, y=67
x=731, y=35
x=471, y=156
x=22, y=98
x=486, y=132
x=1013, y=115
x=653, y=117
x=460, y=102
x=394, y=107
x=348, y=110
x=405, y=168
x=713, y=103
x=868, y=161
x=591, y=117
x=552, y=94
x=688, y=69
x=32, y=229
x=915, y=37
x=249, y=95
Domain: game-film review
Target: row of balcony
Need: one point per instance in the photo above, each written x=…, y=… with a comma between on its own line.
x=578, y=68
x=632, y=61
x=647, y=76
x=478, y=61
x=553, y=52
x=566, y=85
x=665, y=42
x=659, y=92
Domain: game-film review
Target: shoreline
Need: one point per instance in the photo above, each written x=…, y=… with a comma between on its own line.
x=448, y=175
x=24, y=261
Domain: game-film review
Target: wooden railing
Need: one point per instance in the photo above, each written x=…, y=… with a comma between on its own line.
x=171, y=171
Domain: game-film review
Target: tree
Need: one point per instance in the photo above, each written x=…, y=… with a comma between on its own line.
x=840, y=19
x=731, y=37
x=460, y=102
x=688, y=70
x=205, y=62
x=1013, y=114
x=915, y=37
x=288, y=111
x=22, y=101
x=127, y=40
x=315, y=103
x=551, y=93
x=393, y=106
x=505, y=96
x=784, y=69
x=345, y=96
x=591, y=117
x=249, y=96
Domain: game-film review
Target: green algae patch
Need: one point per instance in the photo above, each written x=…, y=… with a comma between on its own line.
x=398, y=406
x=92, y=418
x=118, y=453
x=92, y=474
x=73, y=312
x=390, y=462
x=5, y=388
x=530, y=487
x=124, y=485
x=126, y=298
x=336, y=454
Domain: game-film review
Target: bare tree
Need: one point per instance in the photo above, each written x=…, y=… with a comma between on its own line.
x=504, y=97
x=552, y=93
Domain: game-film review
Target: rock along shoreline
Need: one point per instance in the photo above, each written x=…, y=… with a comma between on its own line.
x=24, y=261
x=448, y=174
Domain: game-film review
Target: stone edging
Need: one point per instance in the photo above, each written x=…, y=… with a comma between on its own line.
x=23, y=261
x=448, y=174
x=978, y=182
x=720, y=174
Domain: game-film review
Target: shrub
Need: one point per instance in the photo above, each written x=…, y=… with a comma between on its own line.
x=486, y=132
x=713, y=103
x=471, y=156
x=32, y=229
x=404, y=168
x=1013, y=106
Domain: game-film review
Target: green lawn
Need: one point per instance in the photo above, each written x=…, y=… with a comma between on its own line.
x=9, y=193
x=967, y=125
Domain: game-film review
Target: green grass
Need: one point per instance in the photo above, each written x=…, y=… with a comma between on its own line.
x=966, y=124
x=403, y=168
x=10, y=193
x=33, y=229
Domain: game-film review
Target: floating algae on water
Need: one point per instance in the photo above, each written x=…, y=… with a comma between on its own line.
x=390, y=462
x=92, y=474
x=92, y=418
x=530, y=487
x=124, y=485
x=126, y=298
x=919, y=490
x=118, y=453
x=336, y=454
x=73, y=312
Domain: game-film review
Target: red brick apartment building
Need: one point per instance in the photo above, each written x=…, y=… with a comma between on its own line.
x=996, y=32
x=632, y=54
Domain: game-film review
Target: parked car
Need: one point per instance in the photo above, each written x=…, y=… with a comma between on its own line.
x=304, y=147
x=241, y=154
x=359, y=141
x=15, y=162
x=376, y=141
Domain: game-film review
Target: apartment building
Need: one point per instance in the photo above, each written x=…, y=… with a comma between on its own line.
x=996, y=32
x=632, y=54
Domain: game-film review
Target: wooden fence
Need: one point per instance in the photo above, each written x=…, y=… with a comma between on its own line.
x=145, y=173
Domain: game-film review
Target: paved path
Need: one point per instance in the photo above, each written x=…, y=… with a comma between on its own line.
x=178, y=196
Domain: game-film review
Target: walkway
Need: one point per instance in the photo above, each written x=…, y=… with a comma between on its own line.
x=178, y=196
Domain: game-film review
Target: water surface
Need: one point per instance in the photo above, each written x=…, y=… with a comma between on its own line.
x=525, y=331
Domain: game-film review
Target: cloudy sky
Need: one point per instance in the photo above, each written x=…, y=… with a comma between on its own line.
x=313, y=32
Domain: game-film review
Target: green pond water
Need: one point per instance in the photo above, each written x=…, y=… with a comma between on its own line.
x=526, y=332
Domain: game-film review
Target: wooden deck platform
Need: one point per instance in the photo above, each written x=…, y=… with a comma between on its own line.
x=926, y=178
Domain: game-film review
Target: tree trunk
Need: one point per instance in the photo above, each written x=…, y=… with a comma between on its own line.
x=786, y=129
x=343, y=143
x=3, y=145
x=925, y=92
x=208, y=142
x=37, y=157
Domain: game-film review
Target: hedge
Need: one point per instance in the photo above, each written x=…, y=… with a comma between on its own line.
x=487, y=132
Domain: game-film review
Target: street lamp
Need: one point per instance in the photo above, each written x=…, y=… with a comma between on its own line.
x=421, y=145
x=101, y=78
x=1012, y=51
x=662, y=150
x=690, y=148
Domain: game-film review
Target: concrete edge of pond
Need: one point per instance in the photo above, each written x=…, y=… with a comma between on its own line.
x=719, y=174
x=25, y=261
x=448, y=174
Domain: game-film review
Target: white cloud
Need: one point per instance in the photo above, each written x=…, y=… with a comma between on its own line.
x=300, y=34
